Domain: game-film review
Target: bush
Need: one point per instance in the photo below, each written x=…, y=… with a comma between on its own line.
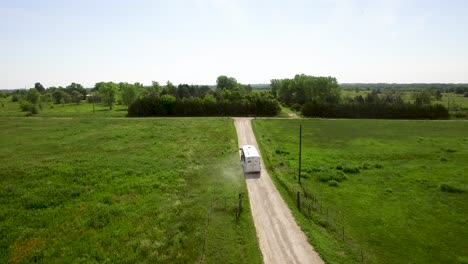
x=445, y=187
x=351, y=170
x=378, y=166
x=327, y=176
x=450, y=150
x=296, y=107
x=16, y=98
x=333, y=183
x=29, y=107
x=459, y=115
x=281, y=152
x=443, y=159
x=365, y=165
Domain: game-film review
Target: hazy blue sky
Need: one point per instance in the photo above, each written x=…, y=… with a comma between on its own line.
x=194, y=41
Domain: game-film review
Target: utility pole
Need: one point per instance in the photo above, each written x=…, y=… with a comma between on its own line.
x=92, y=98
x=300, y=152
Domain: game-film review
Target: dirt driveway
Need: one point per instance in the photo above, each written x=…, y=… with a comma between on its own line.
x=281, y=240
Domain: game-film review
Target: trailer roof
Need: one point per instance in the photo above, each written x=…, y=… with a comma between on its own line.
x=250, y=151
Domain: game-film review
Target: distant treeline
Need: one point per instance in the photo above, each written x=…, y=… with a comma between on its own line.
x=443, y=87
x=321, y=97
x=313, y=96
x=168, y=105
x=73, y=93
x=230, y=98
x=31, y=100
x=382, y=109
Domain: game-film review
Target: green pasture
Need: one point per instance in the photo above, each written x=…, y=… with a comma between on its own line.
x=84, y=109
x=374, y=191
x=122, y=191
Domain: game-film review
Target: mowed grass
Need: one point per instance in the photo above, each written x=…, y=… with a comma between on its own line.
x=122, y=191
x=398, y=188
x=84, y=109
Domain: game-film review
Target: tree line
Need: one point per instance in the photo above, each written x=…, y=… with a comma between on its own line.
x=229, y=98
x=414, y=87
x=373, y=105
x=313, y=96
x=321, y=97
x=31, y=100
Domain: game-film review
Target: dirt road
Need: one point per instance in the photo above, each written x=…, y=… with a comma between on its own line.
x=281, y=239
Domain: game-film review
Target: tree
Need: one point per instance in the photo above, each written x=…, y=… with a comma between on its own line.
x=372, y=97
x=422, y=98
x=33, y=102
x=76, y=87
x=66, y=98
x=58, y=95
x=169, y=89
x=47, y=98
x=168, y=103
x=76, y=97
x=359, y=99
x=129, y=93
x=183, y=91
x=226, y=83
x=152, y=91
x=303, y=88
x=438, y=95
x=33, y=96
x=107, y=92
x=156, y=87
x=38, y=86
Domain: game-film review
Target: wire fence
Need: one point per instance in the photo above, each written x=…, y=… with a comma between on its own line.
x=326, y=216
x=220, y=201
x=320, y=211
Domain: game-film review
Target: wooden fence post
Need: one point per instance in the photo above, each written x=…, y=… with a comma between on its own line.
x=299, y=201
x=239, y=207
x=343, y=233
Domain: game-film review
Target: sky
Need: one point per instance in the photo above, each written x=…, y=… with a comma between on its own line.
x=57, y=42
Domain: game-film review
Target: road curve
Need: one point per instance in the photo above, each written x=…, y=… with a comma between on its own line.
x=281, y=240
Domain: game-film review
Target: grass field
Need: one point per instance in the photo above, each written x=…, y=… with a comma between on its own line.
x=122, y=191
x=85, y=109
x=398, y=188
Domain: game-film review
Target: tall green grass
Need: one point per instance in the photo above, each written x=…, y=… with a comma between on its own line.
x=122, y=191
x=397, y=188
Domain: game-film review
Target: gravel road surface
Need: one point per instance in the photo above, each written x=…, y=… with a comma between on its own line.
x=281, y=240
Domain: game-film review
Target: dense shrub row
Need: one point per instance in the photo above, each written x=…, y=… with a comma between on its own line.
x=168, y=105
x=377, y=110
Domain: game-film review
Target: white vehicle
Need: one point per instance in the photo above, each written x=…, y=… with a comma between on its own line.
x=250, y=159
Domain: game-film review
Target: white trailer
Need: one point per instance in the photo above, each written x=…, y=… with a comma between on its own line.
x=250, y=159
